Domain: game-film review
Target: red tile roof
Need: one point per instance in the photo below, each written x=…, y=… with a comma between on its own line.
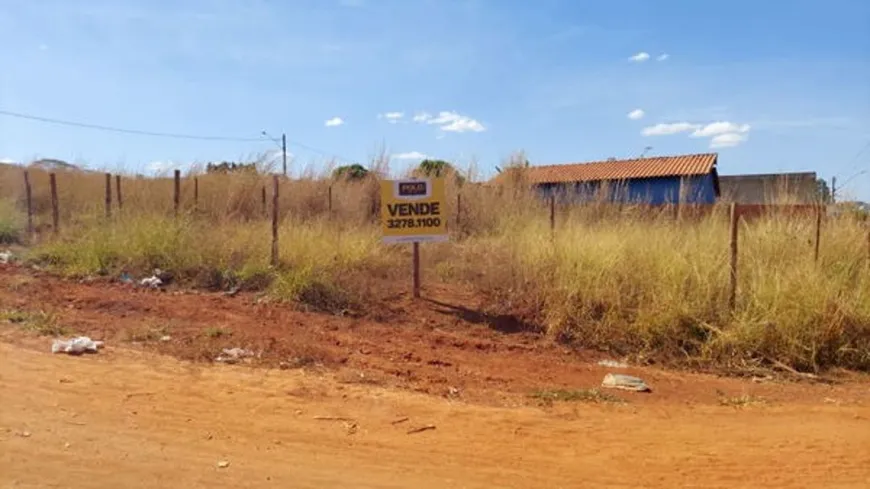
x=649, y=167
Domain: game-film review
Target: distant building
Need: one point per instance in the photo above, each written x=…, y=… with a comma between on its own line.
x=654, y=180
x=770, y=188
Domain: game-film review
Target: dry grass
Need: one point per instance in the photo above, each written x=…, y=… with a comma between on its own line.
x=626, y=280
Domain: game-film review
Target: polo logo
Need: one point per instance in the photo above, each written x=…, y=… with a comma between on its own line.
x=411, y=189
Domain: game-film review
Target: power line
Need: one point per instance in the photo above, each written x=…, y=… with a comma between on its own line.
x=122, y=130
x=138, y=132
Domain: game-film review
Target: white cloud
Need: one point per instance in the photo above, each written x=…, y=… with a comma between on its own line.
x=663, y=57
x=161, y=166
x=450, y=121
x=722, y=134
x=727, y=140
x=668, y=129
x=422, y=117
x=411, y=155
x=392, y=117
x=334, y=122
x=639, y=57
x=636, y=114
x=7, y=161
x=720, y=127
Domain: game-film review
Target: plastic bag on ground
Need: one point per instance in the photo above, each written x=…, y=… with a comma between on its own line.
x=625, y=382
x=151, y=282
x=76, y=346
x=6, y=257
x=233, y=355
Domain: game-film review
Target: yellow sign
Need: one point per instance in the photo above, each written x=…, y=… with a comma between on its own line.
x=413, y=211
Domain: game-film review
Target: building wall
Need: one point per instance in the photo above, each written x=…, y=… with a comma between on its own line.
x=785, y=188
x=653, y=191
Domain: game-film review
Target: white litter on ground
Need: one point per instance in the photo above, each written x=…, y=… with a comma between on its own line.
x=625, y=382
x=6, y=257
x=151, y=282
x=76, y=346
x=612, y=364
x=233, y=355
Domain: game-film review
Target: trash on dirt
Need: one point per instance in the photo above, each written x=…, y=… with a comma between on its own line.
x=125, y=278
x=24, y=434
x=223, y=464
x=421, y=429
x=233, y=355
x=152, y=282
x=165, y=338
x=232, y=292
x=6, y=257
x=453, y=392
x=625, y=382
x=333, y=418
x=76, y=346
x=612, y=364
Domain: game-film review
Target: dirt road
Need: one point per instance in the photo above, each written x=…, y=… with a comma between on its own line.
x=151, y=413
x=135, y=419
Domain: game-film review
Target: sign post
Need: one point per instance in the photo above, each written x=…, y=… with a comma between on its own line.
x=412, y=211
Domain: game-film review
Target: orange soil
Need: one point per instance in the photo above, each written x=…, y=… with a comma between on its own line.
x=133, y=416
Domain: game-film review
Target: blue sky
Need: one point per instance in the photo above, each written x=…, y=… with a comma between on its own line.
x=770, y=85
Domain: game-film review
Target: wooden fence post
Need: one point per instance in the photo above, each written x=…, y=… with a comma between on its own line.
x=118, y=191
x=263, y=201
x=553, y=214
x=55, y=212
x=818, y=233
x=176, y=195
x=275, y=220
x=329, y=200
x=108, y=195
x=195, y=194
x=732, y=293
x=28, y=194
x=416, y=265
x=458, y=210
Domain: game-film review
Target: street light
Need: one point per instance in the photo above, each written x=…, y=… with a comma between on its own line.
x=283, y=145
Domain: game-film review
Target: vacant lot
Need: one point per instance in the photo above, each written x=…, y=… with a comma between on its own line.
x=133, y=416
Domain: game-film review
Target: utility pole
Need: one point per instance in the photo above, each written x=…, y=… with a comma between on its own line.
x=284, y=152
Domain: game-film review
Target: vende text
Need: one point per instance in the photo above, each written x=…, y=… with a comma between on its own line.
x=419, y=209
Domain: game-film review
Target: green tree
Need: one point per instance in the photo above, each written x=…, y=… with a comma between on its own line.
x=350, y=172
x=439, y=168
x=823, y=192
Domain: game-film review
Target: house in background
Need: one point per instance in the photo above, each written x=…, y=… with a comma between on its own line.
x=655, y=180
x=771, y=188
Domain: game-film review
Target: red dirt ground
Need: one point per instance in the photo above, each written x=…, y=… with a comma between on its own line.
x=163, y=422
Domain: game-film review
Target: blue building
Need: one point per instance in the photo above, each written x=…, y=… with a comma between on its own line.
x=656, y=180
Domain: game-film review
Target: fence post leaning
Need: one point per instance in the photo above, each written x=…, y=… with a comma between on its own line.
x=275, y=220
x=55, y=212
x=108, y=195
x=28, y=194
x=118, y=191
x=732, y=292
x=176, y=194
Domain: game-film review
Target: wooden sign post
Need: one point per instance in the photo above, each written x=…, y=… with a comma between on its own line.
x=413, y=211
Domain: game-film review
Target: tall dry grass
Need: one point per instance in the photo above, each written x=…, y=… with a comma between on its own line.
x=626, y=279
